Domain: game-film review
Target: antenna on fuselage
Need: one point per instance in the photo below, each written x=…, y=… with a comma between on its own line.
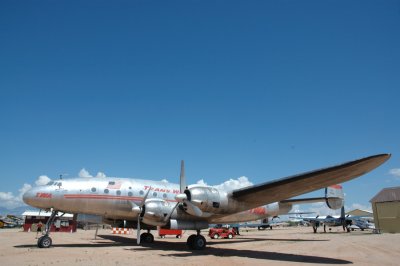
x=61, y=176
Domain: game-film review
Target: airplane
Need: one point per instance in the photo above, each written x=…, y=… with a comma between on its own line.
x=330, y=221
x=361, y=223
x=146, y=204
x=7, y=223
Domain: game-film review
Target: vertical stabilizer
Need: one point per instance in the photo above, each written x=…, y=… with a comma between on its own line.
x=334, y=197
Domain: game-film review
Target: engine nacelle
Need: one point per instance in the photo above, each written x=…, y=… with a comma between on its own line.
x=155, y=211
x=206, y=198
x=188, y=225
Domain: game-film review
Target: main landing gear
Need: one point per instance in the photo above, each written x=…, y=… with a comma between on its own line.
x=147, y=237
x=45, y=241
x=196, y=242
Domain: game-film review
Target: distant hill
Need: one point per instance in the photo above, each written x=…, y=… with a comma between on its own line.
x=16, y=211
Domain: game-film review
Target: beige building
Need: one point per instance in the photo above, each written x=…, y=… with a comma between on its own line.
x=386, y=209
x=358, y=212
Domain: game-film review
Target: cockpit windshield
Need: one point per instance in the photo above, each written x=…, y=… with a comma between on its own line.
x=50, y=183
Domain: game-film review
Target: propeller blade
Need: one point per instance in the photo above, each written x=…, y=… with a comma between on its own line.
x=193, y=209
x=138, y=231
x=182, y=179
x=172, y=211
x=145, y=197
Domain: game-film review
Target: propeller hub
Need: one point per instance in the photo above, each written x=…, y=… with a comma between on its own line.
x=181, y=197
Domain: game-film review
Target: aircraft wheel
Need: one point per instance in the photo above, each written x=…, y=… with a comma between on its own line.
x=199, y=242
x=44, y=242
x=146, y=238
x=230, y=236
x=189, y=241
x=215, y=236
x=315, y=229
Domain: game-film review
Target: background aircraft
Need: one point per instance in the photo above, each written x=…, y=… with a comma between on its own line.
x=330, y=221
x=146, y=204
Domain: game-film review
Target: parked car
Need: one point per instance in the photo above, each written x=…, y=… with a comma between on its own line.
x=221, y=232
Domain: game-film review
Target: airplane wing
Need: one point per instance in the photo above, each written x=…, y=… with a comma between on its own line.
x=292, y=186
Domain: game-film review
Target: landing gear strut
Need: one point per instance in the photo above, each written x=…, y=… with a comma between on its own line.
x=196, y=242
x=45, y=241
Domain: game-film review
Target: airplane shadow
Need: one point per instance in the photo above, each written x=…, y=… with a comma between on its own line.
x=182, y=250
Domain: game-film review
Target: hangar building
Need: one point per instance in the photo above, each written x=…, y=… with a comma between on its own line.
x=386, y=208
x=65, y=223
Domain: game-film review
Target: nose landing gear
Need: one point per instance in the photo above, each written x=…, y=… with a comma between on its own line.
x=45, y=240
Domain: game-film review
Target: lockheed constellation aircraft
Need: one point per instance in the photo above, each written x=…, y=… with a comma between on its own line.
x=147, y=204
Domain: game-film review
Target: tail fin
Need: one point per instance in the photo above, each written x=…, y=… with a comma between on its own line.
x=334, y=197
x=342, y=213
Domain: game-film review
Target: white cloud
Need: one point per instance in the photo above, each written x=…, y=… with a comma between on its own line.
x=42, y=180
x=395, y=172
x=231, y=184
x=165, y=180
x=10, y=201
x=85, y=173
x=101, y=174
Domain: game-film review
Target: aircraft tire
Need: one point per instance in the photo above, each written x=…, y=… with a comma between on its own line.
x=44, y=242
x=199, y=242
x=315, y=229
x=189, y=241
x=147, y=238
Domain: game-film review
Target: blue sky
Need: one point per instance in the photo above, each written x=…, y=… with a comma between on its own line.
x=262, y=89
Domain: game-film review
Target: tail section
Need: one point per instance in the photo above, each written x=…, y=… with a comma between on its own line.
x=334, y=197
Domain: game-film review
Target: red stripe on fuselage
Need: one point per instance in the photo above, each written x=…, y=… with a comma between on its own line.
x=89, y=196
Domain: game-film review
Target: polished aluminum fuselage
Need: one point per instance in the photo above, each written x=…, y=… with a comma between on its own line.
x=114, y=198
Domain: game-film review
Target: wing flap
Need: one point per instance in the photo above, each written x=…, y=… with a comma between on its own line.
x=285, y=188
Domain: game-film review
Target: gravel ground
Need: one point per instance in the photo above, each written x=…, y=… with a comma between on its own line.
x=281, y=246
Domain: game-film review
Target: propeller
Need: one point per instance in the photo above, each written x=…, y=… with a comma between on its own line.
x=182, y=198
x=139, y=209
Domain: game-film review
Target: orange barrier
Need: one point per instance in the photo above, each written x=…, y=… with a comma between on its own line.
x=122, y=231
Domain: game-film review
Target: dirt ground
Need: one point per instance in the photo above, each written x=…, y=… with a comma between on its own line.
x=280, y=246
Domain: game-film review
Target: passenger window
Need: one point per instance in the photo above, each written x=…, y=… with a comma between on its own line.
x=118, y=192
x=106, y=191
x=93, y=189
x=130, y=194
x=141, y=192
x=155, y=194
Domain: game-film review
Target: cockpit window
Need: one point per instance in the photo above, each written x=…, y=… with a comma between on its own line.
x=50, y=183
x=111, y=183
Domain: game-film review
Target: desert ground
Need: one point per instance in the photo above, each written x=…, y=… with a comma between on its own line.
x=280, y=246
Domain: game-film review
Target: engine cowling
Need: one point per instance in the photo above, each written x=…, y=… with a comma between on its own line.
x=155, y=211
x=207, y=199
x=188, y=225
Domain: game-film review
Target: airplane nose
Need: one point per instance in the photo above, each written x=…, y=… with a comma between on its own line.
x=29, y=196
